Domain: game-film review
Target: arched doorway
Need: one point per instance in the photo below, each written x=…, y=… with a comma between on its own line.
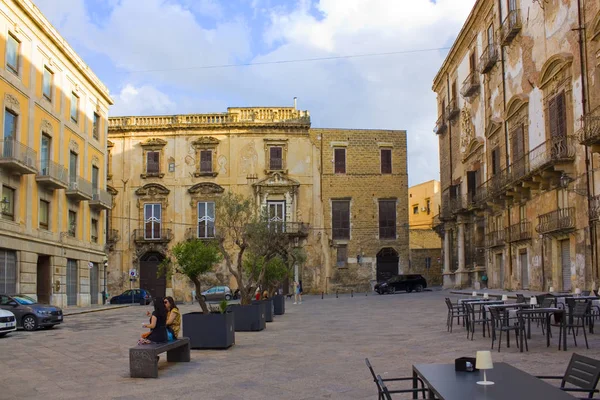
x=149, y=279
x=387, y=263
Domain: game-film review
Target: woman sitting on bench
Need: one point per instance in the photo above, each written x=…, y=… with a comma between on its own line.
x=157, y=325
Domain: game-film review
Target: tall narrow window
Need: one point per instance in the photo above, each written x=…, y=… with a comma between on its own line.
x=152, y=221
x=7, y=208
x=490, y=39
x=340, y=160
x=12, y=54
x=454, y=94
x=152, y=162
x=558, y=117
x=73, y=167
x=206, y=219
x=206, y=161
x=512, y=5
x=96, y=127
x=44, y=214
x=10, y=124
x=472, y=62
x=386, y=161
x=74, y=107
x=387, y=219
x=276, y=213
x=340, y=219
x=72, y=223
x=47, y=84
x=342, y=256
x=522, y=214
x=275, y=158
x=94, y=231
x=45, y=154
x=496, y=161
x=428, y=206
x=95, y=177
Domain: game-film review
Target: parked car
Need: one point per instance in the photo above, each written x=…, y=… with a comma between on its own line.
x=29, y=314
x=132, y=296
x=8, y=322
x=402, y=282
x=217, y=293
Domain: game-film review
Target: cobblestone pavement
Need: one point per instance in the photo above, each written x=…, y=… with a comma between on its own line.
x=315, y=351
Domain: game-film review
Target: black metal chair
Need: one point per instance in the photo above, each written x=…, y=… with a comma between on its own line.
x=521, y=298
x=472, y=320
x=385, y=394
x=580, y=314
x=582, y=372
x=502, y=322
x=454, y=311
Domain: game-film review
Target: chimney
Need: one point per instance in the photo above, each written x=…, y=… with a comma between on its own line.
x=295, y=103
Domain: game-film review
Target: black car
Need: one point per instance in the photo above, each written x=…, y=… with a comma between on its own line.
x=132, y=296
x=402, y=282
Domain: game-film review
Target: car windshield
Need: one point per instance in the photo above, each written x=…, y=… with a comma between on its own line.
x=24, y=300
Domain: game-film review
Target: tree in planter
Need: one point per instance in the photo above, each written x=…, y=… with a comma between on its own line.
x=192, y=258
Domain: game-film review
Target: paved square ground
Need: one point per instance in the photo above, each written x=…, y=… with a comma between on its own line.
x=315, y=351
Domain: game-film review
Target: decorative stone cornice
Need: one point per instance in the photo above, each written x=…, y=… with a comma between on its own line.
x=152, y=189
x=11, y=102
x=154, y=143
x=111, y=190
x=74, y=146
x=110, y=144
x=206, y=188
x=47, y=127
x=277, y=179
x=95, y=161
x=205, y=141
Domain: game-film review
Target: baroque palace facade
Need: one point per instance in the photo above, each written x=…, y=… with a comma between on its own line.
x=341, y=193
x=518, y=130
x=52, y=164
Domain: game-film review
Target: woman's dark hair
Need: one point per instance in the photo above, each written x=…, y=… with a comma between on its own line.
x=159, y=307
x=171, y=302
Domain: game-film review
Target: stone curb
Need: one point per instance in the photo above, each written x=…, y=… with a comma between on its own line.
x=77, y=312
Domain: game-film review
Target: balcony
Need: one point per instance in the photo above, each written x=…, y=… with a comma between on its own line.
x=79, y=189
x=551, y=154
x=452, y=110
x=595, y=207
x=520, y=231
x=511, y=26
x=112, y=236
x=495, y=238
x=192, y=233
x=101, y=200
x=470, y=86
x=52, y=175
x=17, y=158
x=440, y=125
x=560, y=220
x=152, y=235
x=488, y=59
x=590, y=134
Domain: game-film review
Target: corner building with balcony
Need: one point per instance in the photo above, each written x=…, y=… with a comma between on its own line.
x=52, y=164
x=341, y=194
x=518, y=106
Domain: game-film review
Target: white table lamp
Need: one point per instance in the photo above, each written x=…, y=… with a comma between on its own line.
x=483, y=361
x=533, y=301
x=504, y=297
x=474, y=294
x=577, y=291
x=486, y=296
x=551, y=290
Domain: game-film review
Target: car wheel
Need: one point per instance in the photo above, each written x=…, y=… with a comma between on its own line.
x=409, y=289
x=29, y=323
x=419, y=288
x=392, y=290
x=227, y=297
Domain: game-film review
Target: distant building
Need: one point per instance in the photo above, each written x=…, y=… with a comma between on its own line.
x=424, y=243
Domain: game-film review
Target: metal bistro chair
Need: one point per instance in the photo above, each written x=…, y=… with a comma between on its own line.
x=471, y=320
x=384, y=392
x=521, y=298
x=580, y=313
x=454, y=311
x=582, y=372
x=502, y=322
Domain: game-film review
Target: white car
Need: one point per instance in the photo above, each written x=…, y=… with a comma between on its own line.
x=8, y=322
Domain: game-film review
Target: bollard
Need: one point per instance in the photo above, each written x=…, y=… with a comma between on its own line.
x=336, y=294
x=321, y=295
x=352, y=293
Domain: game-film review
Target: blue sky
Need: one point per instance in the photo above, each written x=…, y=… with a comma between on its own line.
x=145, y=51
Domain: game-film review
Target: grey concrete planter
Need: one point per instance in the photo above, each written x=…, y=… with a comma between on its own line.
x=209, y=331
x=279, y=304
x=268, y=308
x=248, y=318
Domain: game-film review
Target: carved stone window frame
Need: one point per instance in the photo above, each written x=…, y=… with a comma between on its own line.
x=283, y=143
x=153, y=144
x=517, y=114
x=202, y=144
x=152, y=193
x=494, y=139
x=11, y=103
x=556, y=77
x=204, y=192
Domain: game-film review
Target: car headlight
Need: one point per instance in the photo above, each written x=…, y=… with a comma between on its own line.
x=43, y=312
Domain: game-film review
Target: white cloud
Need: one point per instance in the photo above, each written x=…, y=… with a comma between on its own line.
x=142, y=100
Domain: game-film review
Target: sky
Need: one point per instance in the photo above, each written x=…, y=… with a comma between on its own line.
x=176, y=57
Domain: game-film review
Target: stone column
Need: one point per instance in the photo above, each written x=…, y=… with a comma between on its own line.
x=448, y=275
x=461, y=276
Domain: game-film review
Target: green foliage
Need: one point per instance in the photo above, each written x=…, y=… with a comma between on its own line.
x=223, y=306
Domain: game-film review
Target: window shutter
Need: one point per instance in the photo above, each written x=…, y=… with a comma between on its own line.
x=206, y=161
x=561, y=116
x=340, y=161
x=552, y=117
x=276, y=160
x=386, y=161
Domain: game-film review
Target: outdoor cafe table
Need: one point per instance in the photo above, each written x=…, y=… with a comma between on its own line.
x=509, y=383
x=548, y=312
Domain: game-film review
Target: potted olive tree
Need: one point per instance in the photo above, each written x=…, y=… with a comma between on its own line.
x=206, y=330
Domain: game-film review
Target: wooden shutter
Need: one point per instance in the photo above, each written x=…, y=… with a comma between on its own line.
x=386, y=161
x=561, y=116
x=387, y=219
x=340, y=219
x=153, y=158
x=552, y=117
x=340, y=161
x=495, y=161
x=276, y=160
x=206, y=161
x=471, y=183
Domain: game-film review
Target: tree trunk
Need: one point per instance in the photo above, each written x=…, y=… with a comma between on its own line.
x=199, y=296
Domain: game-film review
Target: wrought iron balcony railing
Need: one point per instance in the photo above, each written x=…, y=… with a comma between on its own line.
x=562, y=219
x=441, y=124
x=101, y=199
x=452, y=109
x=470, y=86
x=520, y=231
x=52, y=175
x=590, y=134
x=488, y=58
x=17, y=157
x=495, y=238
x=79, y=189
x=152, y=235
x=551, y=152
x=511, y=26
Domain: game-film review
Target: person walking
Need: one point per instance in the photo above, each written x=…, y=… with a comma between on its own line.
x=297, y=293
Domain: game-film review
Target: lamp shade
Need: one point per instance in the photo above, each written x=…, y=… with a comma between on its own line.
x=486, y=296
x=577, y=291
x=483, y=360
x=474, y=294
x=533, y=301
x=504, y=297
x=551, y=290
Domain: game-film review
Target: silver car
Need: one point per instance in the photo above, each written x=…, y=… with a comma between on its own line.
x=30, y=314
x=217, y=293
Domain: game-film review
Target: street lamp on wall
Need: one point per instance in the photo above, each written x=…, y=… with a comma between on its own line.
x=565, y=181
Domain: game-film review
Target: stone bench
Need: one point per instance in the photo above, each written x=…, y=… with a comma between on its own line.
x=143, y=359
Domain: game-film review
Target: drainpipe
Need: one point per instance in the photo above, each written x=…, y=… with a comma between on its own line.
x=505, y=133
x=585, y=106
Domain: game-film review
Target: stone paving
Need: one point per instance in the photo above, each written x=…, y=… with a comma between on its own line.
x=315, y=351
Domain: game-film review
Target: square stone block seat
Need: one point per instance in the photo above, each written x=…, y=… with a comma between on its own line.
x=143, y=361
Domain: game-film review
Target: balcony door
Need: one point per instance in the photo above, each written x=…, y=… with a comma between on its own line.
x=276, y=214
x=500, y=269
x=72, y=167
x=95, y=173
x=152, y=221
x=45, y=154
